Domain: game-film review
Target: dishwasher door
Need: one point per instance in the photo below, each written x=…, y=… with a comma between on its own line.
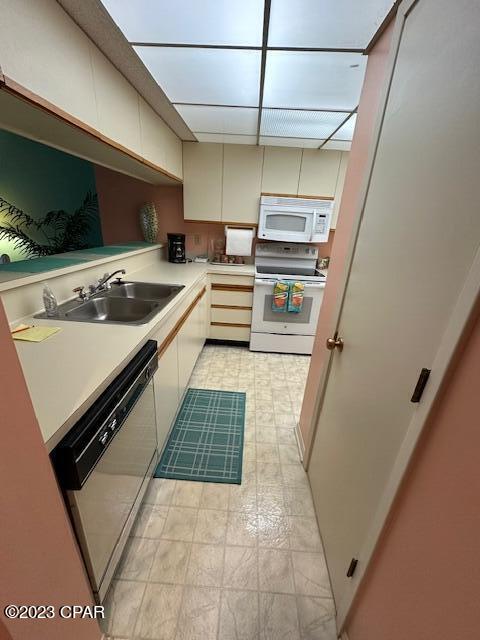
x=104, y=509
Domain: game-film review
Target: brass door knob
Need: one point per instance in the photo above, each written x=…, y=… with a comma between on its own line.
x=334, y=343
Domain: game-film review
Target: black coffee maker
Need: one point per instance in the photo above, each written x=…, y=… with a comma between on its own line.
x=176, y=247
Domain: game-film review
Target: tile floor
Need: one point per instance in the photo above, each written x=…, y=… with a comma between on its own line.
x=232, y=562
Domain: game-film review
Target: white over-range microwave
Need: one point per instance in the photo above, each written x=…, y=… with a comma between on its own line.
x=294, y=219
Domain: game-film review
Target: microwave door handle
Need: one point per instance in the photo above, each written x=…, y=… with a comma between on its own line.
x=314, y=222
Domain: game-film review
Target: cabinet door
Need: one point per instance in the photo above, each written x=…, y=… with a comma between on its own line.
x=166, y=392
x=319, y=172
x=202, y=180
x=187, y=349
x=281, y=170
x=242, y=183
x=339, y=188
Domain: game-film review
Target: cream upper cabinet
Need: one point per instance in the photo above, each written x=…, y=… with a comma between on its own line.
x=319, y=172
x=339, y=188
x=281, y=170
x=202, y=180
x=112, y=112
x=242, y=183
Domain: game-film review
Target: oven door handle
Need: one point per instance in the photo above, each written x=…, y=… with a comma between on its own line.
x=308, y=285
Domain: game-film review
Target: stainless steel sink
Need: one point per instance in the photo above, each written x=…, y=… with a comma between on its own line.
x=125, y=303
x=110, y=309
x=145, y=290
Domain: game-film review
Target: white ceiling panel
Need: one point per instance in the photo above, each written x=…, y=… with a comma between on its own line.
x=236, y=22
x=336, y=24
x=337, y=145
x=313, y=80
x=304, y=143
x=207, y=76
x=300, y=124
x=346, y=131
x=225, y=138
x=219, y=119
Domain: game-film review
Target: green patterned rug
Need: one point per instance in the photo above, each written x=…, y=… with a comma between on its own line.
x=206, y=442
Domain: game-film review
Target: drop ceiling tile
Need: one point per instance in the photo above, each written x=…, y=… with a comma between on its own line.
x=236, y=22
x=346, y=131
x=313, y=80
x=209, y=119
x=225, y=138
x=300, y=124
x=325, y=23
x=337, y=145
x=206, y=76
x=279, y=141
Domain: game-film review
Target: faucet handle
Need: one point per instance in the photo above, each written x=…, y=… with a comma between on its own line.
x=80, y=291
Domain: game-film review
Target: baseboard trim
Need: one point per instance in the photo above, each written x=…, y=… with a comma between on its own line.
x=344, y=636
x=229, y=343
x=300, y=443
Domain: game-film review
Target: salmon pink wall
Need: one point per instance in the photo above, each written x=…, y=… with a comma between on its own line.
x=120, y=198
x=424, y=581
x=39, y=561
x=357, y=164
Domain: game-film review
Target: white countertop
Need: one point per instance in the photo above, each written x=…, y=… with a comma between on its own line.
x=66, y=372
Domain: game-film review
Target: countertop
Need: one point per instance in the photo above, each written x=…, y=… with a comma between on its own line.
x=66, y=372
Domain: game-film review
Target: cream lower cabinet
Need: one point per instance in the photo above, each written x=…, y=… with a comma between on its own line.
x=231, y=301
x=166, y=392
x=191, y=339
x=178, y=354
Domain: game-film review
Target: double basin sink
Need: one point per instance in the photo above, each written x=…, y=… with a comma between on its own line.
x=124, y=303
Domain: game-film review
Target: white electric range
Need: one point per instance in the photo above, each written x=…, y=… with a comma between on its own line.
x=285, y=332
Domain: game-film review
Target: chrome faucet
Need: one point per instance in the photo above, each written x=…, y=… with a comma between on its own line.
x=101, y=285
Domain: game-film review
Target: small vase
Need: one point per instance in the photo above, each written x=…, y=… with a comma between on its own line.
x=149, y=222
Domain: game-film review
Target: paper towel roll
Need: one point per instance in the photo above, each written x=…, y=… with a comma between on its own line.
x=239, y=241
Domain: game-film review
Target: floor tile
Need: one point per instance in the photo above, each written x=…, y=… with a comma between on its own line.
x=239, y=615
x=121, y=607
x=286, y=435
x=160, y=492
x=265, y=434
x=158, y=615
x=211, y=526
x=242, y=529
x=170, y=562
x=199, y=614
x=240, y=570
x=275, y=571
x=288, y=454
x=294, y=475
x=267, y=452
x=317, y=618
x=304, y=535
x=311, y=575
x=243, y=497
x=269, y=473
x=215, y=496
x=150, y=521
x=137, y=559
x=187, y=494
x=298, y=501
x=265, y=418
x=205, y=566
x=271, y=500
x=180, y=524
x=278, y=617
x=273, y=531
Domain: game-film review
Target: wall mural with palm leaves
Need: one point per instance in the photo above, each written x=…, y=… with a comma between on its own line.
x=48, y=200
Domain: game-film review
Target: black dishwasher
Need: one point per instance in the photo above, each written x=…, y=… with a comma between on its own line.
x=105, y=462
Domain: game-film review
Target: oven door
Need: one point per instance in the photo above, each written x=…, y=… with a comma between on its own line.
x=286, y=224
x=265, y=320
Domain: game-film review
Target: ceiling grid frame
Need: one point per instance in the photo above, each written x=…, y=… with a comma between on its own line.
x=218, y=42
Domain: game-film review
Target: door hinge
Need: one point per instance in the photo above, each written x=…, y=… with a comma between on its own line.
x=420, y=386
x=351, y=568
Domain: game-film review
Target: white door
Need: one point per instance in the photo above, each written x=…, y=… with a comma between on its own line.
x=417, y=241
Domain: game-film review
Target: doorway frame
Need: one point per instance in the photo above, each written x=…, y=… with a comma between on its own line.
x=451, y=339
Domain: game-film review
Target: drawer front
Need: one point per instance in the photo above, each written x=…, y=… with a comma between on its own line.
x=235, y=298
x=220, y=332
x=234, y=280
x=233, y=316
